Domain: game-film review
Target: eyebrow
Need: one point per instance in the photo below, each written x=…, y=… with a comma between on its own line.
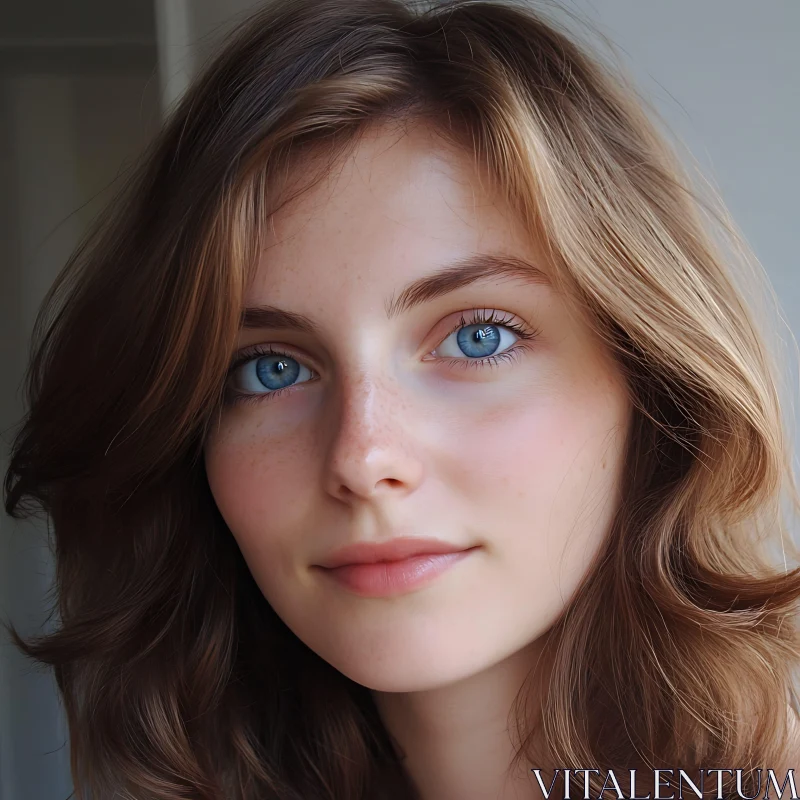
x=456, y=275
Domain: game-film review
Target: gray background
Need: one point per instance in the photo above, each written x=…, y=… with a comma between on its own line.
x=82, y=88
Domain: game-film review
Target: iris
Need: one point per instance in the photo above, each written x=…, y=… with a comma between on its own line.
x=485, y=339
x=273, y=370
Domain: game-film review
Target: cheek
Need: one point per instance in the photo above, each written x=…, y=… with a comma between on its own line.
x=542, y=481
x=259, y=484
x=517, y=452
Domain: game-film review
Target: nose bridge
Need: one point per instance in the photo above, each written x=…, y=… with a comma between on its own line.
x=369, y=447
x=369, y=404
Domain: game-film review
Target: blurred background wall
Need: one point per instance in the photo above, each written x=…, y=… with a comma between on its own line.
x=79, y=96
x=83, y=86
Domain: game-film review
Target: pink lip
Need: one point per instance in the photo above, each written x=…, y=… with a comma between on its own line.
x=400, y=565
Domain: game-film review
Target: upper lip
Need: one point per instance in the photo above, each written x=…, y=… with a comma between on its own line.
x=392, y=550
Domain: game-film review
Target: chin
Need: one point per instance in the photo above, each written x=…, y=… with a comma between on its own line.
x=402, y=666
x=411, y=675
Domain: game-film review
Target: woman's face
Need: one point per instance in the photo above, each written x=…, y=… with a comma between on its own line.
x=392, y=413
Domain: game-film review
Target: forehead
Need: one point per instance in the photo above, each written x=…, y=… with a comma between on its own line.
x=394, y=207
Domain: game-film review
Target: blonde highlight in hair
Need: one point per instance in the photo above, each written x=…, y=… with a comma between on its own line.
x=178, y=678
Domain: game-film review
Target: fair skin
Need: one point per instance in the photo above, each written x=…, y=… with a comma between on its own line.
x=384, y=430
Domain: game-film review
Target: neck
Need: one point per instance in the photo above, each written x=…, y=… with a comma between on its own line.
x=459, y=741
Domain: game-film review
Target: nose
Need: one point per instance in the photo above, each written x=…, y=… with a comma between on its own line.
x=370, y=449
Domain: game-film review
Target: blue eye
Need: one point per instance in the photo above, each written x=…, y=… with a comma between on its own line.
x=268, y=370
x=481, y=340
x=476, y=341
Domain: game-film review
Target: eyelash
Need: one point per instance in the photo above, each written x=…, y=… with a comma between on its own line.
x=478, y=318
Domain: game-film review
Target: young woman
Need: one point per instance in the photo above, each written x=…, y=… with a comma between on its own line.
x=404, y=431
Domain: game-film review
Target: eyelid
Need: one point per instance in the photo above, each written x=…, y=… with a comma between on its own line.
x=479, y=316
x=259, y=350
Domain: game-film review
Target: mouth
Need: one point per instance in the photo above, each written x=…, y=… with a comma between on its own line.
x=393, y=568
x=397, y=549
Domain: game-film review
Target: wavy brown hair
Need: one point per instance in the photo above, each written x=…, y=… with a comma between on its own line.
x=178, y=679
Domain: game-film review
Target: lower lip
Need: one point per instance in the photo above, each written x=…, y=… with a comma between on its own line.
x=386, y=578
